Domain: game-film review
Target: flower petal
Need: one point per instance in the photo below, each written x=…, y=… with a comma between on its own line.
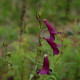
x=56, y=51
x=53, y=46
x=52, y=37
x=48, y=73
x=49, y=26
x=59, y=45
x=43, y=71
x=38, y=71
x=50, y=70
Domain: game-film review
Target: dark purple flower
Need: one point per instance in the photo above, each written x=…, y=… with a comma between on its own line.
x=53, y=45
x=45, y=69
x=51, y=29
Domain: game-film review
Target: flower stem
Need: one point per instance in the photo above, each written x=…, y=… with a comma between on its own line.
x=22, y=20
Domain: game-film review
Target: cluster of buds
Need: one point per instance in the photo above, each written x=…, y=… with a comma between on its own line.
x=54, y=46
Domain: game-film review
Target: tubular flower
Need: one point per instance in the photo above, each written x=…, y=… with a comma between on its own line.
x=51, y=29
x=45, y=69
x=53, y=45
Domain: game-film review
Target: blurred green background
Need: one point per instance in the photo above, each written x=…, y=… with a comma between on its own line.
x=22, y=63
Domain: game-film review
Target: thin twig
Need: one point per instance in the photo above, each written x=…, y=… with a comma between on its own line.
x=22, y=19
x=43, y=31
x=39, y=21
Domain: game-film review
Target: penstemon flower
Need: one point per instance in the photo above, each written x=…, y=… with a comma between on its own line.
x=53, y=45
x=51, y=29
x=45, y=69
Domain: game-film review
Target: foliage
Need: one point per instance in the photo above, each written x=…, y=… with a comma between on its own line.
x=21, y=60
